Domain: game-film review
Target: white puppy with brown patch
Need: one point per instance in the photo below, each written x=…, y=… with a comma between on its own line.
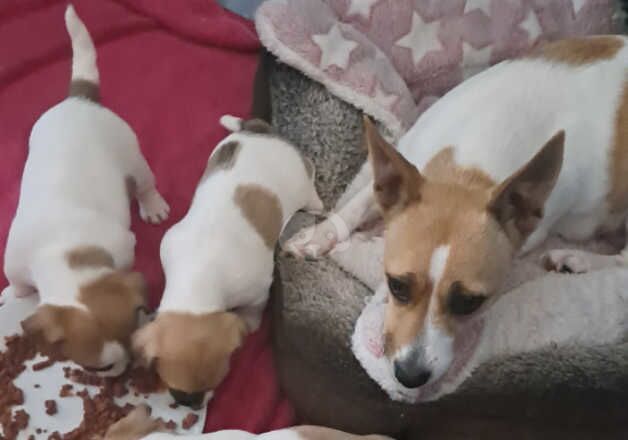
x=70, y=239
x=528, y=148
x=218, y=260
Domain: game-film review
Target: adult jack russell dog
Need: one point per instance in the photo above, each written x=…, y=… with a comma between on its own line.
x=528, y=148
x=218, y=260
x=70, y=239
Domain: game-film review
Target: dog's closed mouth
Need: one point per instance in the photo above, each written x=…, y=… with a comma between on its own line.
x=99, y=369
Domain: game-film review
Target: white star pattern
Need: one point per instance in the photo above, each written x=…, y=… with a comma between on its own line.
x=531, y=25
x=386, y=99
x=484, y=5
x=422, y=39
x=361, y=8
x=474, y=60
x=335, y=48
x=577, y=5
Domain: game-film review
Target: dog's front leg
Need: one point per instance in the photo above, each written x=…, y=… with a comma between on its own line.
x=577, y=261
x=318, y=240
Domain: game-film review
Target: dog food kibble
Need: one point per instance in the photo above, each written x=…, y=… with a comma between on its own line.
x=55, y=436
x=66, y=390
x=37, y=385
x=43, y=364
x=31, y=437
x=174, y=405
x=51, y=407
x=189, y=421
x=171, y=425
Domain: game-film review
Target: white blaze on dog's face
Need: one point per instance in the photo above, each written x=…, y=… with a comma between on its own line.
x=191, y=352
x=451, y=234
x=96, y=336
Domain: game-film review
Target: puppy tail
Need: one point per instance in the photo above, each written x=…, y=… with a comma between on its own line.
x=85, y=81
x=231, y=123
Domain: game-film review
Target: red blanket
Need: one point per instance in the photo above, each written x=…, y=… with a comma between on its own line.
x=171, y=69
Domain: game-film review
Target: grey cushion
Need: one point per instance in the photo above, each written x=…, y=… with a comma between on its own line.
x=566, y=392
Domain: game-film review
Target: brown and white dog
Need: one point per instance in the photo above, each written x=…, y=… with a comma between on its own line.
x=528, y=148
x=218, y=260
x=138, y=425
x=70, y=239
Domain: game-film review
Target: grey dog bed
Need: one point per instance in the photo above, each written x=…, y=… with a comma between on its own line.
x=562, y=392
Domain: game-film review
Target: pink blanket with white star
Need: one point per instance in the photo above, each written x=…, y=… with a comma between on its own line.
x=394, y=58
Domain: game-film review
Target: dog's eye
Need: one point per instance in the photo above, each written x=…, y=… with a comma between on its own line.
x=462, y=302
x=399, y=288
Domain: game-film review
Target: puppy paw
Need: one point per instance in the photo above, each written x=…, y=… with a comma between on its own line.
x=318, y=240
x=566, y=261
x=153, y=207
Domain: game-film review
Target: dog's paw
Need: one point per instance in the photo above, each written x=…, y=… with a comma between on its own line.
x=318, y=240
x=153, y=207
x=566, y=261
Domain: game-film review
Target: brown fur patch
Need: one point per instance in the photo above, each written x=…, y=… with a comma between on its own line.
x=112, y=302
x=257, y=126
x=618, y=195
x=89, y=257
x=191, y=351
x=222, y=159
x=580, y=51
x=442, y=167
x=262, y=209
x=85, y=89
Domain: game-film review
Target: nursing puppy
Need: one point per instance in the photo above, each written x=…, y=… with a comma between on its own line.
x=70, y=239
x=218, y=260
x=528, y=148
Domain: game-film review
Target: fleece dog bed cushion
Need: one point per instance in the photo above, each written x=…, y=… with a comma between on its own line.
x=171, y=69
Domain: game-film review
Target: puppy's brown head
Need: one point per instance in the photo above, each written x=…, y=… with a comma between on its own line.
x=191, y=352
x=451, y=233
x=96, y=335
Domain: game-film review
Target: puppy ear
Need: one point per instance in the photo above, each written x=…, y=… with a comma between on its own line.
x=145, y=343
x=46, y=323
x=518, y=202
x=136, y=282
x=396, y=182
x=236, y=329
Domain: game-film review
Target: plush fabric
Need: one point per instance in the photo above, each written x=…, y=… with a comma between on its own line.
x=394, y=58
x=171, y=69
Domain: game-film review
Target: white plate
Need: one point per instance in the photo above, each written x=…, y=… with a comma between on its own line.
x=50, y=380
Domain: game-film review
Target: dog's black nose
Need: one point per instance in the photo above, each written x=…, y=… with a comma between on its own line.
x=411, y=376
x=193, y=400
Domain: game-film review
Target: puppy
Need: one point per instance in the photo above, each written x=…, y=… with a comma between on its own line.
x=218, y=260
x=528, y=148
x=138, y=425
x=70, y=239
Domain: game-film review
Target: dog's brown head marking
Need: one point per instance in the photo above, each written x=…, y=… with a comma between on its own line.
x=581, y=51
x=110, y=316
x=82, y=88
x=262, y=209
x=224, y=158
x=190, y=352
x=89, y=257
x=450, y=235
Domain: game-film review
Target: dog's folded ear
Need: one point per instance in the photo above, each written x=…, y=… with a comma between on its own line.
x=518, y=202
x=145, y=343
x=396, y=182
x=44, y=322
